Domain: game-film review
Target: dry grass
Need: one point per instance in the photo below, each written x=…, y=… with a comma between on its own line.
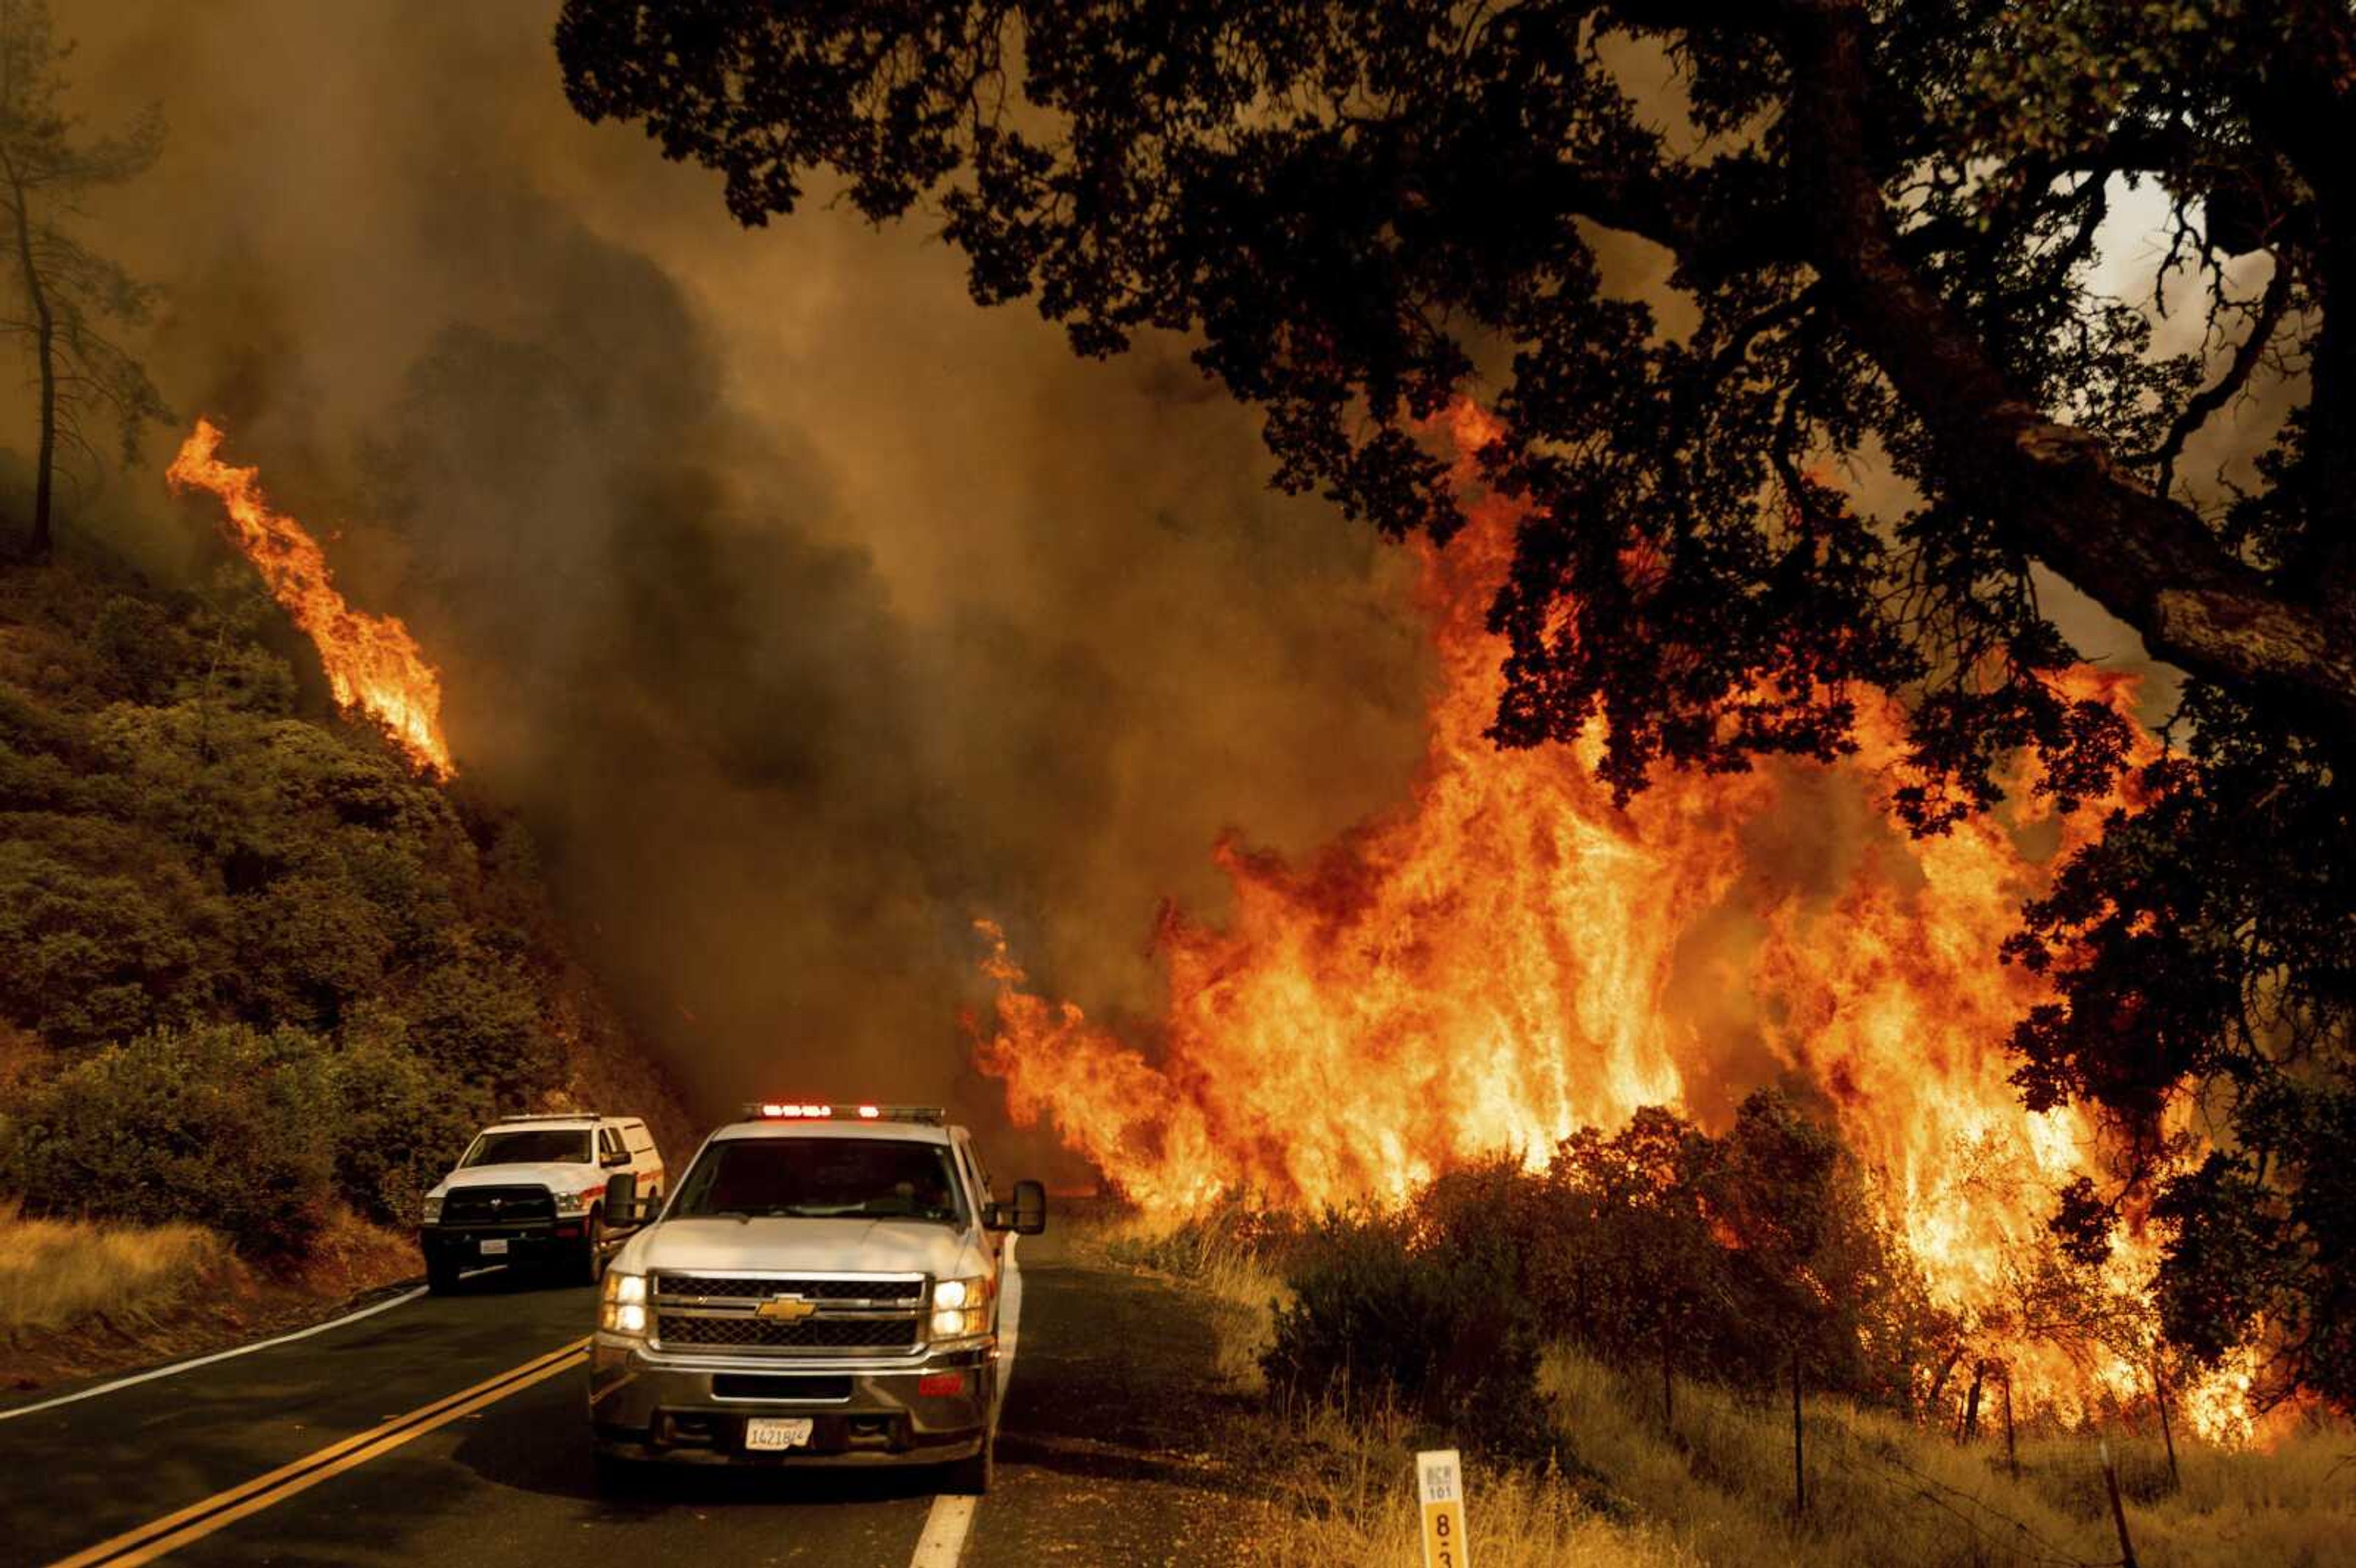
x=1368, y=1516
x=1716, y=1489
x=1881, y=1490
x=1208, y=1260
x=58, y=1274
x=1342, y=1491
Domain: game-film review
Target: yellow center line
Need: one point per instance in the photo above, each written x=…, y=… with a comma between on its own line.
x=199, y=1519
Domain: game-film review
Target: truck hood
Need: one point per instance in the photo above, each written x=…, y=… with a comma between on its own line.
x=818, y=1246
x=557, y=1177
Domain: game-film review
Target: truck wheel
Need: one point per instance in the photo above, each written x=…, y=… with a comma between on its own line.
x=441, y=1274
x=592, y=1266
x=970, y=1476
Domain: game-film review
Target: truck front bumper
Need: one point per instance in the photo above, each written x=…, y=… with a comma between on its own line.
x=647, y=1404
x=533, y=1242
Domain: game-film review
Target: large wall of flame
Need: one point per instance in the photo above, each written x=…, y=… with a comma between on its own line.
x=1505, y=954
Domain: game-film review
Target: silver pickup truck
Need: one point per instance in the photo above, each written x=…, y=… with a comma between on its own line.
x=822, y=1287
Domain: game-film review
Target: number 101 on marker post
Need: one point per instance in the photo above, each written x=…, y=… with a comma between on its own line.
x=1440, y=1482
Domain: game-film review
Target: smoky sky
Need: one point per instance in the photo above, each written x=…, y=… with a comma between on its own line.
x=805, y=610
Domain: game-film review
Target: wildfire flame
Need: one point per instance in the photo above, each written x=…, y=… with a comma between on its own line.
x=1507, y=957
x=372, y=662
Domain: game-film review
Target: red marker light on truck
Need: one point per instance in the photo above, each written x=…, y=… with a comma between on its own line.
x=935, y=1385
x=777, y=1111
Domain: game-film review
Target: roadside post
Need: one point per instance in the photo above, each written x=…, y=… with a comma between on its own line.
x=1440, y=1482
x=2118, y=1510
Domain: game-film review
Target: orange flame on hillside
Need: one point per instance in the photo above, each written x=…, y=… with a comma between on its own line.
x=372, y=662
x=1508, y=956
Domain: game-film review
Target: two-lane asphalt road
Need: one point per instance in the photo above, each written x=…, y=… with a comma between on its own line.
x=452, y=1429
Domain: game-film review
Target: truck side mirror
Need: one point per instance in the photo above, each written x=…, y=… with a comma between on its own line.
x=618, y=1157
x=622, y=1206
x=1026, y=1216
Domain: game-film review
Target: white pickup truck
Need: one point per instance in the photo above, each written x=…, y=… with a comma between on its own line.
x=822, y=1287
x=530, y=1190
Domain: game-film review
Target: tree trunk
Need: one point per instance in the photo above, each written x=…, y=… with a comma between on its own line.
x=2119, y=1509
x=1971, y=1423
x=2166, y=1429
x=44, y=351
x=1939, y=1384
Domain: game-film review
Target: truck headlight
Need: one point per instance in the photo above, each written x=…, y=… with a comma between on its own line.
x=960, y=1308
x=622, y=1305
x=571, y=1202
x=433, y=1209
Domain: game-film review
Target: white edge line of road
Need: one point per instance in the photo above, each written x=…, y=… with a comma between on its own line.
x=178, y=1366
x=951, y=1518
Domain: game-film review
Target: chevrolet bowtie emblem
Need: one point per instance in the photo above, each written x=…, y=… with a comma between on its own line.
x=784, y=1309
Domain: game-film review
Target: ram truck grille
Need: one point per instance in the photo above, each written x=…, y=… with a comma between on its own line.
x=829, y=1314
x=497, y=1206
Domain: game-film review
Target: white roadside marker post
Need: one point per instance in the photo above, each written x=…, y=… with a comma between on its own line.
x=1440, y=1482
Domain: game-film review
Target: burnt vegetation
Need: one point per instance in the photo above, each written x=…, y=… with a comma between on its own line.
x=1883, y=228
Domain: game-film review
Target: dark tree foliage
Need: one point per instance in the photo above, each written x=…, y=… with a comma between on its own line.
x=1723, y=1257
x=1397, y=1311
x=1880, y=224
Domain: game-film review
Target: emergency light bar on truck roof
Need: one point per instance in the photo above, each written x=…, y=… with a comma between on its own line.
x=550, y=1116
x=778, y=1111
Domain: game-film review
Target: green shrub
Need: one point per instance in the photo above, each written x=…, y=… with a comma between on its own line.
x=311, y=945
x=478, y=1020
x=399, y=1126
x=87, y=957
x=140, y=640
x=218, y=1124
x=1382, y=1315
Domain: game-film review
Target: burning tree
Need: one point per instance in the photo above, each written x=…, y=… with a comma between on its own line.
x=1884, y=230
x=65, y=290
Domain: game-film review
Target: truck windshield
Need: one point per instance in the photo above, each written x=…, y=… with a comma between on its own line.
x=531, y=1145
x=821, y=1179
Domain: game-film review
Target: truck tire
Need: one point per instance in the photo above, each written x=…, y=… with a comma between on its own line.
x=590, y=1267
x=441, y=1274
x=970, y=1476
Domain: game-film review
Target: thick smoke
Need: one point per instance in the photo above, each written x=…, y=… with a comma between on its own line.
x=806, y=610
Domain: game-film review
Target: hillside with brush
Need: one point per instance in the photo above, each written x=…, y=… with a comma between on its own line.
x=257, y=975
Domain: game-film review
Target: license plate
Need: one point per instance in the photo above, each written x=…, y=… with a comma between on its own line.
x=496, y=1248
x=768, y=1434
